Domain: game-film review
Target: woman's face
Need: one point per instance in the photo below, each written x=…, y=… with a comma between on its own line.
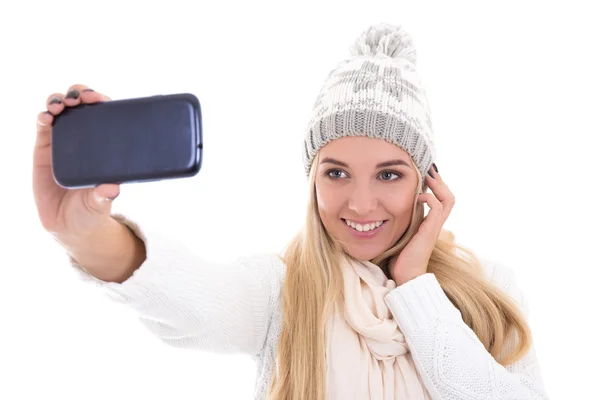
x=365, y=193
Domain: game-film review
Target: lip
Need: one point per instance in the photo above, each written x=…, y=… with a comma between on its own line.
x=364, y=235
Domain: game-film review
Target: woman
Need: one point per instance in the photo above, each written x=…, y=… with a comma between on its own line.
x=372, y=300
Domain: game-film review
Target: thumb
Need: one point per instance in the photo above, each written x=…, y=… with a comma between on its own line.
x=102, y=196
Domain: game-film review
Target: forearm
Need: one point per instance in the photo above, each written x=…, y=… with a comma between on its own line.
x=448, y=354
x=110, y=253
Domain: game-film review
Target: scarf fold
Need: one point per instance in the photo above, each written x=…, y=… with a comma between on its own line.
x=367, y=355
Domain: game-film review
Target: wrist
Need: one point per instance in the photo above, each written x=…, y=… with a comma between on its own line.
x=401, y=280
x=112, y=252
x=71, y=240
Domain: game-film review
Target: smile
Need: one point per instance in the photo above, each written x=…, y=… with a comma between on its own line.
x=365, y=227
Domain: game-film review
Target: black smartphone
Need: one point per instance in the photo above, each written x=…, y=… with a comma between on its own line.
x=124, y=141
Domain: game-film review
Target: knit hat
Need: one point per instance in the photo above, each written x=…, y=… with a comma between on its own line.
x=375, y=92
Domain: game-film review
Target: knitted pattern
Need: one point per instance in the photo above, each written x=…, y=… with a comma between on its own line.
x=235, y=308
x=375, y=93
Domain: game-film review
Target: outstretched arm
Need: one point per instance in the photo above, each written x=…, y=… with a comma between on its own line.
x=189, y=303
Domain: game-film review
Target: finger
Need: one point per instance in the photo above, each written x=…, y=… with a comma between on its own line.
x=44, y=127
x=107, y=191
x=434, y=175
x=89, y=96
x=438, y=209
x=435, y=171
x=55, y=103
x=82, y=94
x=73, y=96
x=434, y=219
x=78, y=94
x=439, y=188
x=431, y=200
x=101, y=197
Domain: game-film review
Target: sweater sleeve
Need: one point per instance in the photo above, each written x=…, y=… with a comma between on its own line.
x=451, y=359
x=190, y=303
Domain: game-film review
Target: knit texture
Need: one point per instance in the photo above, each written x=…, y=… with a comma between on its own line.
x=377, y=93
x=367, y=354
x=235, y=308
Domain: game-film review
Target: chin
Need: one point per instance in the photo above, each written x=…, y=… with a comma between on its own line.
x=364, y=252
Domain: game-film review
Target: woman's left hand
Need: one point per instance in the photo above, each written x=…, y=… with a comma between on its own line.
x=414, y=258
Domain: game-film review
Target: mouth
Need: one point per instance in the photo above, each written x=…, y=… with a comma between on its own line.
x=367, y=229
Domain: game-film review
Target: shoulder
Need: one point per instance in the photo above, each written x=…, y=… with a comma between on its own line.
x=504, y=277
x=264, y=260
x=269, y=264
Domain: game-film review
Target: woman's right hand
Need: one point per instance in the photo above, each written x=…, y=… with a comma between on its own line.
x=67, y=212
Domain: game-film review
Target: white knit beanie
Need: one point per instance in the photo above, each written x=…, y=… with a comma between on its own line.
x=375, y=93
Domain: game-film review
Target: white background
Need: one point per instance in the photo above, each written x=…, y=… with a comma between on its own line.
x=513, y=88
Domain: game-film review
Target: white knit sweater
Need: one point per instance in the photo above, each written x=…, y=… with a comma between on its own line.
x=234, y=308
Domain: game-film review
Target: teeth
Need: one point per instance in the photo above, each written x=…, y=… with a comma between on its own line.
x=364, y=228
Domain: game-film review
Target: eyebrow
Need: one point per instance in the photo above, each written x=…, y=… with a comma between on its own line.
x=390, y=163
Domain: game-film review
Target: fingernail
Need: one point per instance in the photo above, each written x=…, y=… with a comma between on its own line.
x=112, y=198
x=430, y=174
x=436, y=168
x=100, y=199
x=73, y=94
x=55, y=100
x=88, y=90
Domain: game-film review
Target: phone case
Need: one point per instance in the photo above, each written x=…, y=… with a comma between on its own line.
x=124, y=141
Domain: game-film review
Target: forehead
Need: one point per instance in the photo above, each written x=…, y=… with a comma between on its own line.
x=360, y=150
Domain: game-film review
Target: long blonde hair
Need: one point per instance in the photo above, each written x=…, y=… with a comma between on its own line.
x=313, y=285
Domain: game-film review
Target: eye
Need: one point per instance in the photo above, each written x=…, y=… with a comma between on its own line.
x=390, y=175
x=335, y=173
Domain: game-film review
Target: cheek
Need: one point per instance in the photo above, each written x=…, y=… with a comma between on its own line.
x=399, y=206
x=330, y=203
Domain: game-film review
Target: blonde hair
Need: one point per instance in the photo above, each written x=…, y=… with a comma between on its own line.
x=313, y=285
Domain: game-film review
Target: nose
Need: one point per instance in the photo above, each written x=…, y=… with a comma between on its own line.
x=362, y=200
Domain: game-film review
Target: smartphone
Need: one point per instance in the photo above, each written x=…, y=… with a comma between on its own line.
x=125, y=141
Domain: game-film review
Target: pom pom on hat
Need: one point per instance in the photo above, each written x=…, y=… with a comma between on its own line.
x=385, y=39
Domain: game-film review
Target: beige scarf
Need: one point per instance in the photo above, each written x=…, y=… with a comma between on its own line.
x=367, y=355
